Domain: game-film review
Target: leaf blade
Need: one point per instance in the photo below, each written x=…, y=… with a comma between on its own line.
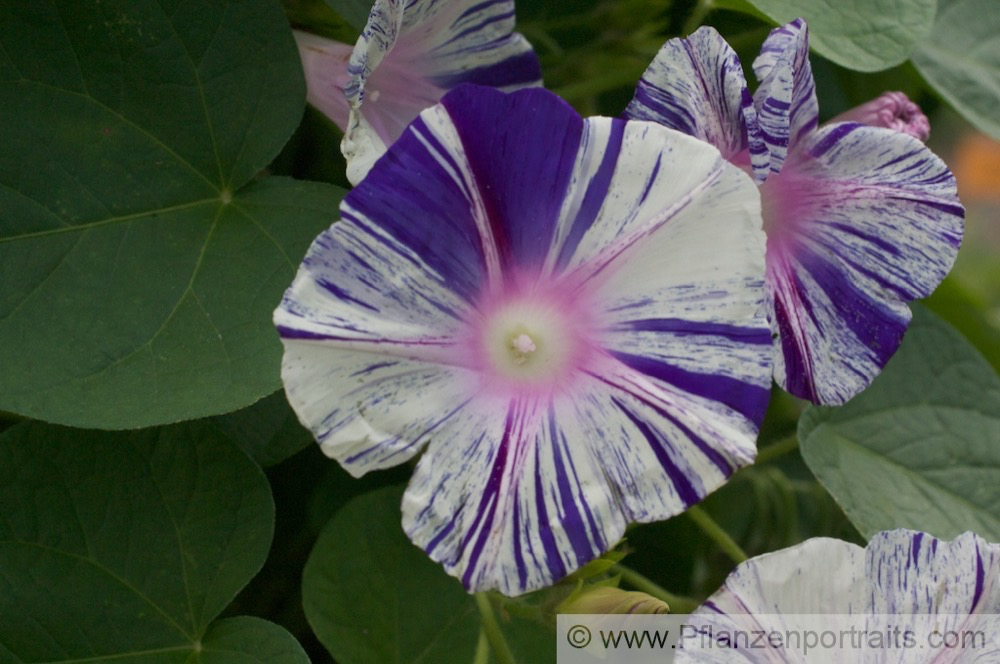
x=918, y=448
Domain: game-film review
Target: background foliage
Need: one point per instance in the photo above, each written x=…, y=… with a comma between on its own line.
x=160, y=180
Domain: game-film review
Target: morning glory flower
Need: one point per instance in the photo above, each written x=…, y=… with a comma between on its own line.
x=860, y=219
x=564, y=315
x=410, y=53
x=903, y=580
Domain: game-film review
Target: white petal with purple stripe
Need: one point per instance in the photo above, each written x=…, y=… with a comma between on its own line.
x=903, y=580
x=861, y=221
x=787, y=109
x=696, y=86
x=412, y=52
x=582, y=347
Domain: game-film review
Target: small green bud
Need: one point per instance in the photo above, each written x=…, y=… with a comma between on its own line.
x=606, y=600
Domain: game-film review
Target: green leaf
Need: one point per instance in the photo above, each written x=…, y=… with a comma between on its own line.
x=958, y=306
x=372, y=596
x=919, y=448
x=859, y=34
x=140, y=268
x=128, y=545
x=961, y=60
x=355, y=12
x=248, y=640
x=268, y=431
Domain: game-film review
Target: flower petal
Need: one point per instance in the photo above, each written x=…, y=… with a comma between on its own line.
x=411, y=53
x=524, y=176
x=563, y=479
x=696, y=86
x=509, y=499
x=369, y=411
x=367, y=328
x=903, y=582
x=674, y=257
x=821, y=575
x=677, y=261
x=862, y=220
x=324, y=63
x=489, y=192
x=787, y=110
x=915, y=573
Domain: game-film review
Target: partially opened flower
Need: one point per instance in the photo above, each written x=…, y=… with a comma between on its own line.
x=868, y=599
x=410, y=53
x=860, y=219
x=566, y=314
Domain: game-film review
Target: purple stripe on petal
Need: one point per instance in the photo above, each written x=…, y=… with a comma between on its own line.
x=749, y=335
x=833, y=136
x=798, y=374
x=747, y=399
x=572, y=520
x=475, y=9
x=980, y=580
x=593, y=199
x=522, y=570
x=484, y=23
x=682, y=485
x=553, y=559
x=486, y=511
x=528, y=171
x=517, y=70
x=599, y=543
x=414, y=197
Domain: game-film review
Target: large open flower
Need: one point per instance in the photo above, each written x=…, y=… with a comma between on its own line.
x=865, y=599
x=860, y=219
x=409, y=54
x=566, y=313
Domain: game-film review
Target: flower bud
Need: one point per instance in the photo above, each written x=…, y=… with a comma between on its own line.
x=893, y=110
x=606, y=600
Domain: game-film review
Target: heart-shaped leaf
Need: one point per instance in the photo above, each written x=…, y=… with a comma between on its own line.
x=139, y=267
x=126, y=546
x=268, y=431
x=920, y=448
x=961, y=59
x=371, y=596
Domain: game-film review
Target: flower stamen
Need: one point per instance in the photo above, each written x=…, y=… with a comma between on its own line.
x=523, y=347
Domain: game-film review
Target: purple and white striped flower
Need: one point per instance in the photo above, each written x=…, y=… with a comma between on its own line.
x=860, y=219
x=567, y=314
x=902, y=581
x=410, y=53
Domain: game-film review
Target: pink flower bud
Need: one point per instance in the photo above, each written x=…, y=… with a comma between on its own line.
x=892, y=110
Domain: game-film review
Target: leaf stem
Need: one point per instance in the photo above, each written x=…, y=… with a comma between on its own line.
x=677, y=603
x=491, y=628
x=717, y=534
x=780, y=448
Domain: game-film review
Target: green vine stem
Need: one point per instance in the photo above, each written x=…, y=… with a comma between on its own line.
x=491, y=628
x=482, y=655
x=778, y=449
x=717, y=534
x=677, y=603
